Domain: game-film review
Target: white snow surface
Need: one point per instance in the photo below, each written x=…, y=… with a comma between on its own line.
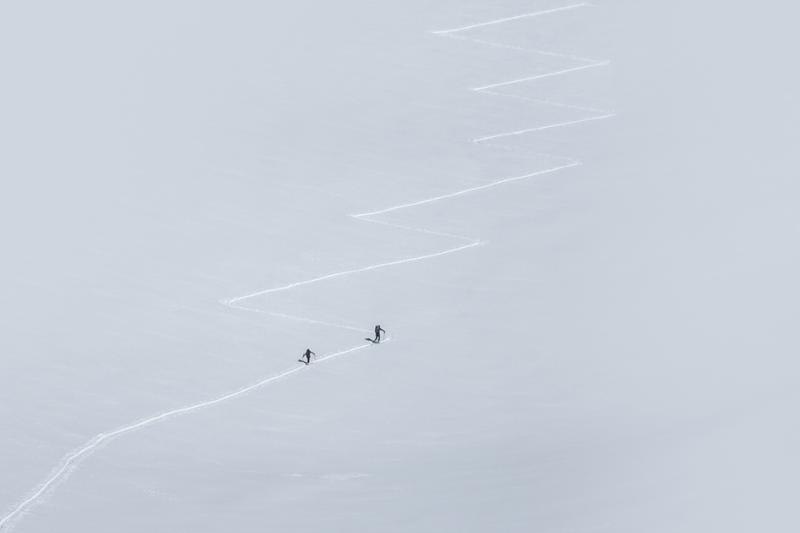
x=577, y=222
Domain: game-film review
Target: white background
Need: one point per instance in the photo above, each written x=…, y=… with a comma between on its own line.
x=619, y=355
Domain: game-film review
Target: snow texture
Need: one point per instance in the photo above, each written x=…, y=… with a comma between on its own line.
x=576, y=221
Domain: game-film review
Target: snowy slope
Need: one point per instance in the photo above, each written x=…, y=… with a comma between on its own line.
x=575, y=221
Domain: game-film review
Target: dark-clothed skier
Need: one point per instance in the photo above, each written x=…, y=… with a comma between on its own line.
x=378, y=330
x=307, y=355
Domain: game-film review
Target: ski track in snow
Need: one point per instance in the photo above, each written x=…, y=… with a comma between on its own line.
x=70, y=462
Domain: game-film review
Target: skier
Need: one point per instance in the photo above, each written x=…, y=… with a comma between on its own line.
x=307, y=355
x=378, y=330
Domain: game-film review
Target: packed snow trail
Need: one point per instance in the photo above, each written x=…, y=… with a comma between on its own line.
x=509, y=19
x=368, y=217
x=71, y=461
x=489, y=89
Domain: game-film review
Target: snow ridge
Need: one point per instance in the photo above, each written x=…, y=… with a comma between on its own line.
x=71, y=461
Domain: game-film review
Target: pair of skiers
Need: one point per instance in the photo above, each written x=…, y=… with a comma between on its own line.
x=376, y=340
